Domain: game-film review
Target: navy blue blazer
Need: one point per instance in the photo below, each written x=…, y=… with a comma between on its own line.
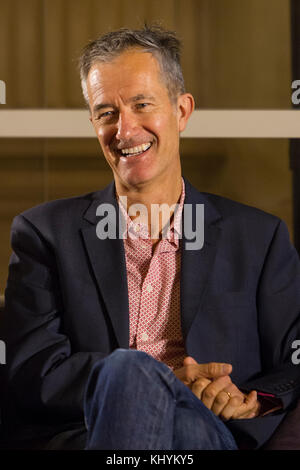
x=67, y=307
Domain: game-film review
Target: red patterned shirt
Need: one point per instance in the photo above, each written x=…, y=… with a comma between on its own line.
x=153, y=278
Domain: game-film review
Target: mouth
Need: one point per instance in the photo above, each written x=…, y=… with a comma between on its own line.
x=131, y=152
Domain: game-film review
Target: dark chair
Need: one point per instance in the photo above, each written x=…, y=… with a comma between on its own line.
x=287, y=435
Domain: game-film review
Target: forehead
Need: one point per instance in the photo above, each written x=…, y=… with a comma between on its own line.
x=131, y=72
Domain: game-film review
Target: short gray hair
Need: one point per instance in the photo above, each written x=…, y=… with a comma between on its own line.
x=163, y=44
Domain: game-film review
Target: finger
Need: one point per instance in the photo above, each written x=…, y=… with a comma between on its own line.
x=192, y=370
x=212, y=390
x=254, y=406
x=188, y=373
x=214, y=370
x=224, y=399
x=231, y=406
x=199, y=385
x=248, y=407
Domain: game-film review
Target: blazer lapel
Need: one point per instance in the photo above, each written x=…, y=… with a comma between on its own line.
x=196, y=265
x=107, y=259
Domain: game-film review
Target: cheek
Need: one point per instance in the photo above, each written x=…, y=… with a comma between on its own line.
x=104, y=136
x=164, y=125
x=168, y=129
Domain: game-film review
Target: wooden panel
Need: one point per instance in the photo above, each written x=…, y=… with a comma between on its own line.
x=236, y=54
x=27, y=78
x=5, y=52
x=55, y=58
x=104, y=21
x=192, y=27
x=249, y=62
x=254, y=172
x=78, y=28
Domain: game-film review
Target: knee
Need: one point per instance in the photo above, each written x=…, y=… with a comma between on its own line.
x=124, y=357
x=127, y=364
x=124, y=371
x=121, y=360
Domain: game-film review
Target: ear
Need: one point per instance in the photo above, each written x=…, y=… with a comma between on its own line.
x=185, y=106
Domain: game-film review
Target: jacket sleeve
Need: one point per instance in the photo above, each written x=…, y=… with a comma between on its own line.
x=43, y=377
x=278, y=306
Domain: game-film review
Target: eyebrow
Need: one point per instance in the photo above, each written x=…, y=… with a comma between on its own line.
x=135, y=98
x=141, y=97
x=98, y=107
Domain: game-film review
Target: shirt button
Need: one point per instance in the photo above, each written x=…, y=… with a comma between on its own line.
x=149, y=288
x=144, y=336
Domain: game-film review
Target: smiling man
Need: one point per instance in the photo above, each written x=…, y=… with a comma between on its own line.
x=137, y=119
x=138, y=342
x=138, y=125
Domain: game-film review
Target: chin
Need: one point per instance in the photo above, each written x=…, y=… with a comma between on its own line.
x=138, y=178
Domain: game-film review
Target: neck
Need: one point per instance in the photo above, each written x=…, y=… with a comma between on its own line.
x=165, y=192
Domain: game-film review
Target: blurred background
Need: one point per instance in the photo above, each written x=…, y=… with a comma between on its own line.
x=236, y=55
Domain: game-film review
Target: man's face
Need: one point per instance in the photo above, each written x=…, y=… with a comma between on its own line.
x=136, y=123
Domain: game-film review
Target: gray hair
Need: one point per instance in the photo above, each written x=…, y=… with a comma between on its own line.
x=163, y=44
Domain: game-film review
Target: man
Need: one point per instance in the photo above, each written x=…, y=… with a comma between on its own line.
x=140, y=341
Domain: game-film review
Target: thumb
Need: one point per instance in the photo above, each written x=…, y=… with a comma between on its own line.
x=251, y=397
x=189, y=360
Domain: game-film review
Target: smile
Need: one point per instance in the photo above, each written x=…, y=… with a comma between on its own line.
x=129, y=152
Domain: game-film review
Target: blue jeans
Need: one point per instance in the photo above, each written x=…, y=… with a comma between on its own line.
x=134, y=402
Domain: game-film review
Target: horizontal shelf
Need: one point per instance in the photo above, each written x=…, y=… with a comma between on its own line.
x=74, y=123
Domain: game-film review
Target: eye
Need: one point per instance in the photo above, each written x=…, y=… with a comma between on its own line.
x=142, y=105
x=106, y=114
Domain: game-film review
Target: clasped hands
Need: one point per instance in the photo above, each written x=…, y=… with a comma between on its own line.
x=212, y=384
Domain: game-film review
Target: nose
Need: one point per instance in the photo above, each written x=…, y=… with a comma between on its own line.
x=127, y=125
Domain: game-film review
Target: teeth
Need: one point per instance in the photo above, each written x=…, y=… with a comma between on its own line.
x=138, y=149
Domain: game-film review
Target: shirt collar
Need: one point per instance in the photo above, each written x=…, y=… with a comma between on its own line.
x=139, y=230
